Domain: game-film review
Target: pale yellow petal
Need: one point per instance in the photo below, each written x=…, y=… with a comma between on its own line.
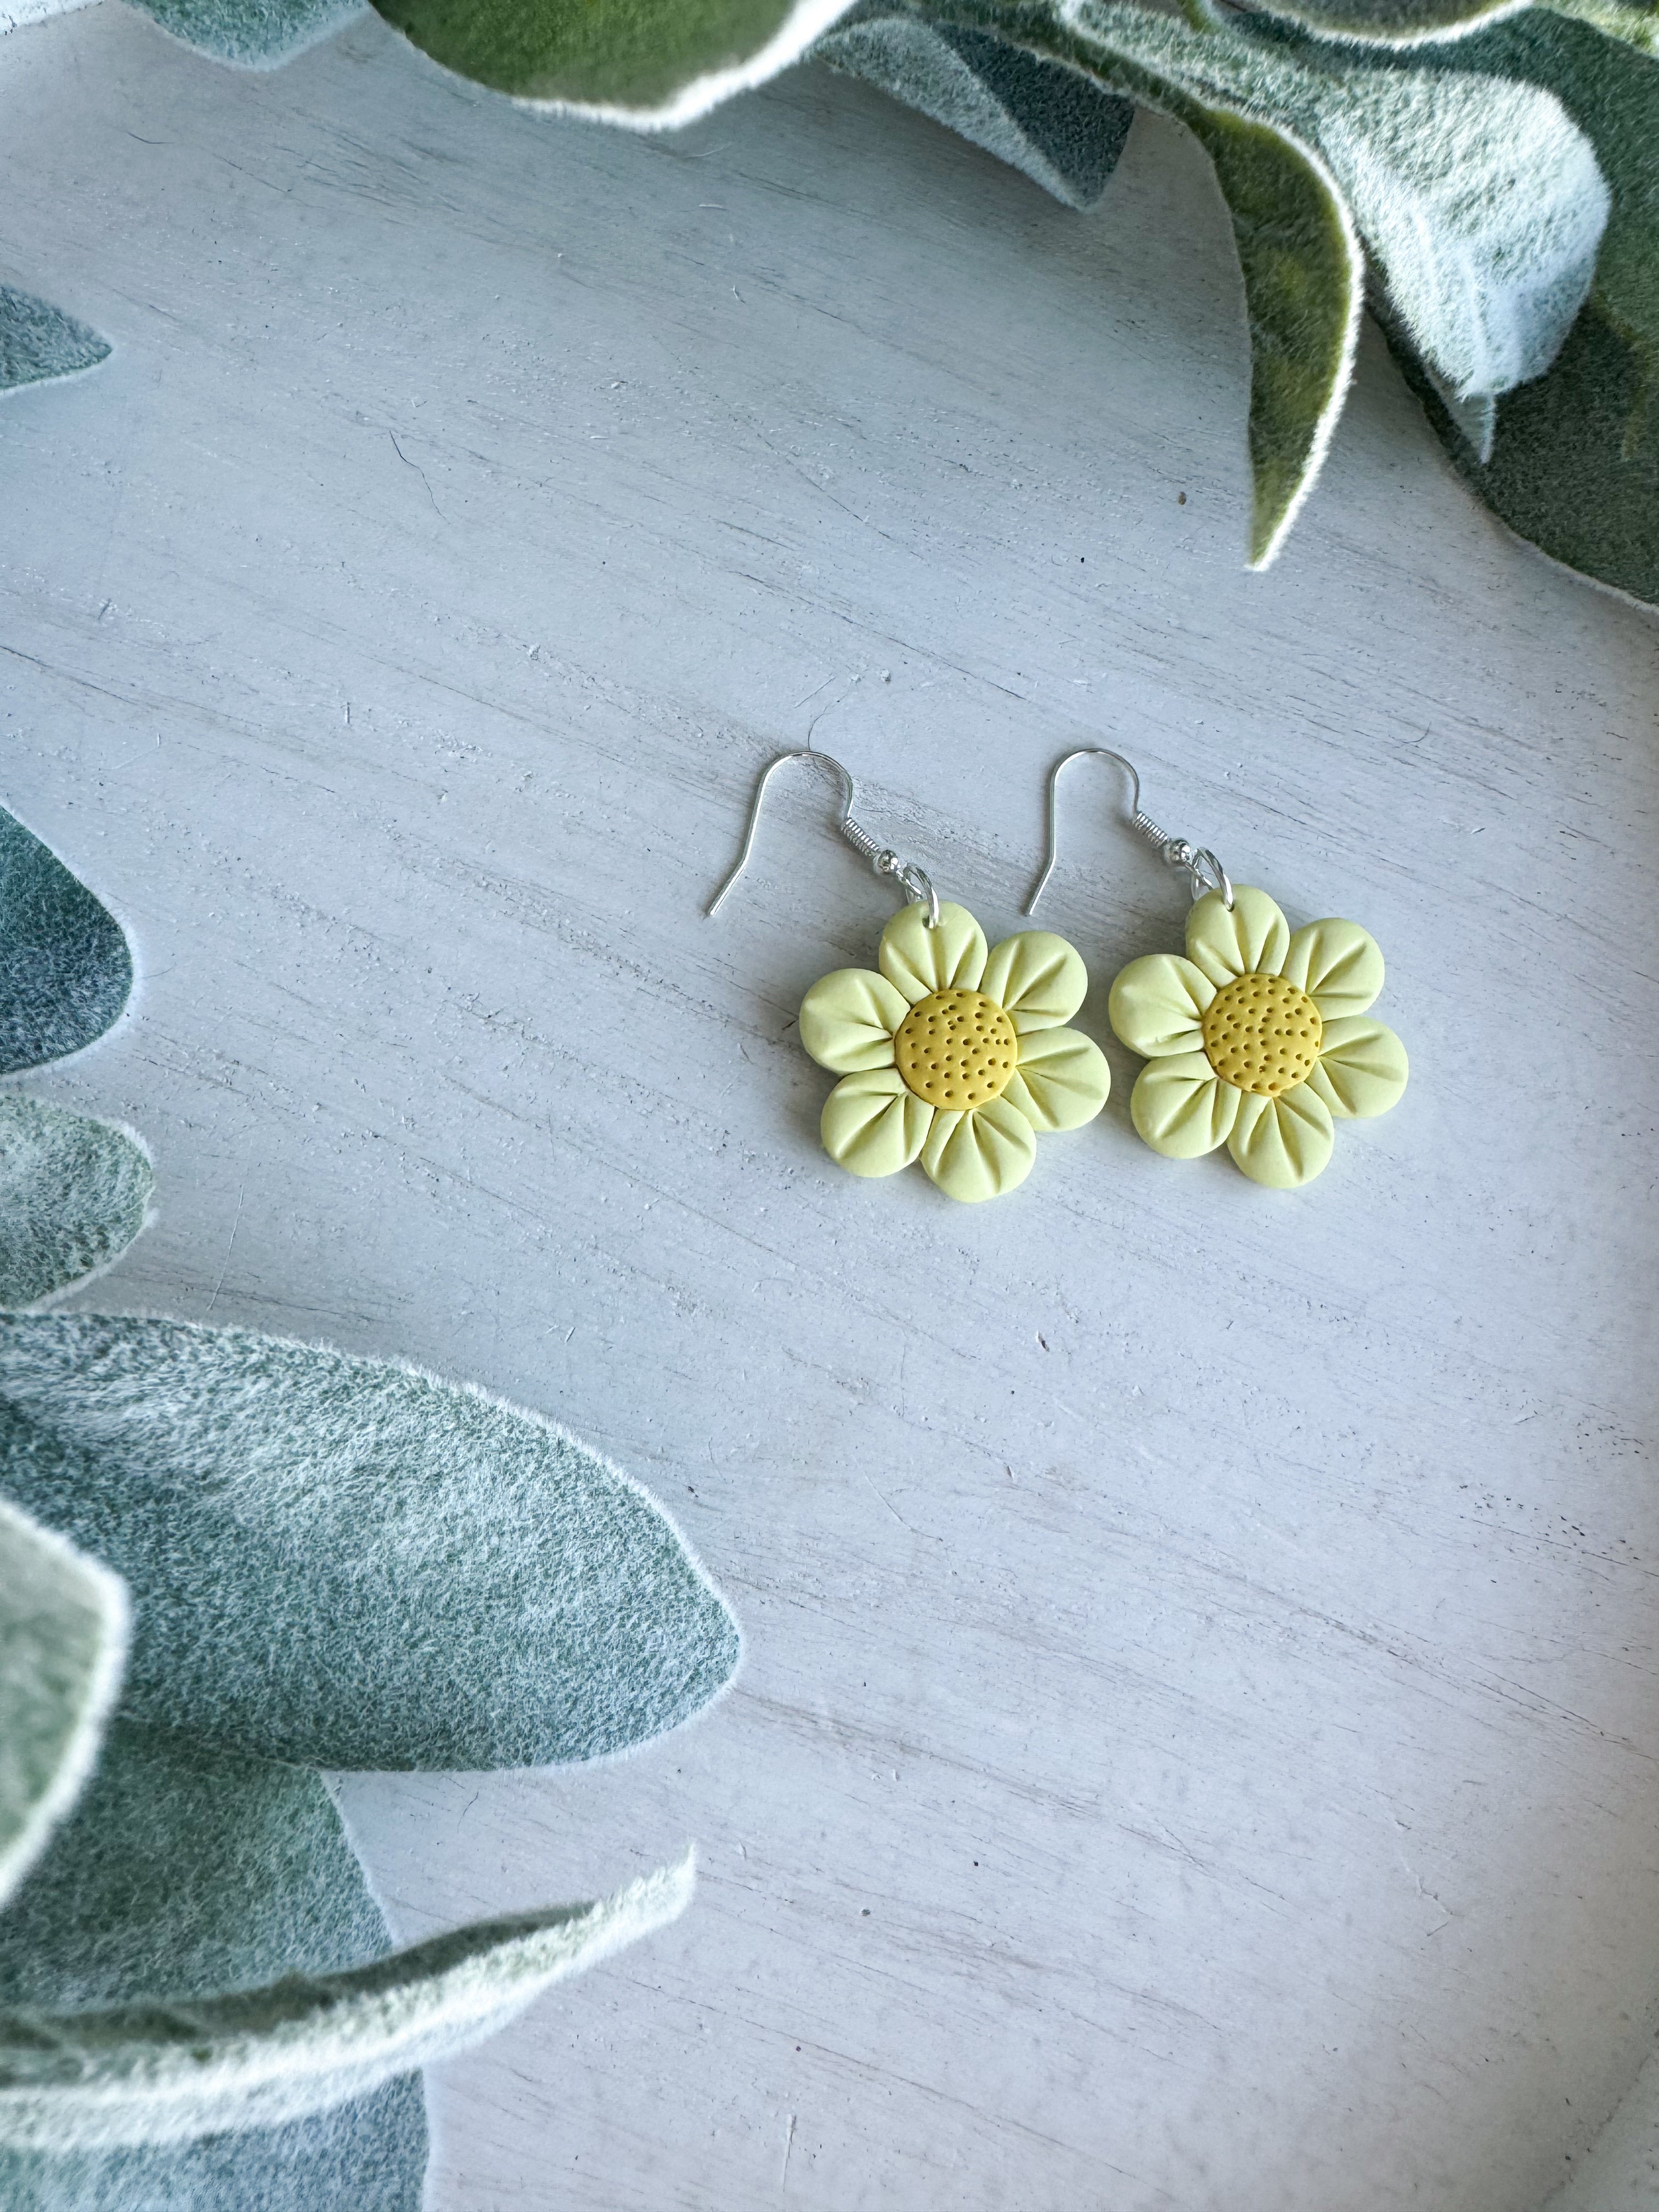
x=1283, y=1141
x=981, y=1153
x=1157, y=1004
x=1037, y=979
x=1250, y=939
x=873, y=1124
x=1062, y=1079
x=1362, y=1067
x=848, y=1020
x=921, y=961
x=1181, y=1107
x=1337, y=964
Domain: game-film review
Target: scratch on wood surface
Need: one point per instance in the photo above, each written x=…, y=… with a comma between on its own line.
x=241, y=1193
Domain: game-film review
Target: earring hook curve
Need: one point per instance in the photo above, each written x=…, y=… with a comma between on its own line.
x=913, y=880
x=1204, y=871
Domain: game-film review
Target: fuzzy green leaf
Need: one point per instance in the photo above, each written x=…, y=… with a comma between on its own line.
x=651, y=62
x=73, y=1193
x=182, y=1871
x=1057, y=125
x=161, y=2073
x=63, y=1639
x=65, y=972
x=1399, y=23
x=351, y=1564
x=1573, y=459
x=39, y=341
x=1481, y=201
x=1635, y=21
x=257, y=34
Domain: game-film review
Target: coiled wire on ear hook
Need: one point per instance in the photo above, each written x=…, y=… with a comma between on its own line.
x=915, y=881
x=1204, y=871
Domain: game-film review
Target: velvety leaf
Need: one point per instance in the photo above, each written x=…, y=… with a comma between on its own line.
x=65, y=972
x=367, y=2155
x=651, y=62
x=1057, y=125
x=73, y=1193
x=1390, y=22
x=1573, y=463
x=1482, y=205
x=39, y=341
x=347, y=1563
x=162, y=2073
x=251, y=33
x=185, y=1870
x=63, y=1639
x=1300, y=259
x=1637, y=21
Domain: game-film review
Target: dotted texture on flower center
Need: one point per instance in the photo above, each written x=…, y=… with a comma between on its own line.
x=1262, y=1034
x=956, y=1049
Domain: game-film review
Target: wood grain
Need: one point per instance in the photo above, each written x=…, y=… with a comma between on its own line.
x=1197, y=1742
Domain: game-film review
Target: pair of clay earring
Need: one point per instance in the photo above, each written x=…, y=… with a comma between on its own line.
x=958, y=1054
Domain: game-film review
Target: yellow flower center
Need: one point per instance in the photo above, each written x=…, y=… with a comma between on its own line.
x=1262, y=1034
x=956, y=1049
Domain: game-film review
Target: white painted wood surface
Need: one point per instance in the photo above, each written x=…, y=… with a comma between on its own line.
x=1197, y=1742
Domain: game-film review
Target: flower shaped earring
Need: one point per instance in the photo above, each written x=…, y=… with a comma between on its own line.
x=949, y=1052
x=1256, y=1039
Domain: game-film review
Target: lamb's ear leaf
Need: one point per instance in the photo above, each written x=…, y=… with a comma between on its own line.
x=1635, y=21
x=1573, y=461
x=1397, y=23
x=63, y=1640
x=1481, y=200
x=347, y=1563
x=1304, y=276
x=39, y=341
x=65, y=970
x=146, y=2073
x=368, y=2152
x=257, y=34
x=1061, y=128
x=648, y=63
x=73, y=1193
x=182, y=1871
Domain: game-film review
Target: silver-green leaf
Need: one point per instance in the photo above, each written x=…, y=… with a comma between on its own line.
x=73, y=1193
x=181, y=1872
x=162, y=2073
x=1056, y=124
x=39, y=341
x=347, y=1563
x=65, y=970
x=258, y=34
x=63, y=1640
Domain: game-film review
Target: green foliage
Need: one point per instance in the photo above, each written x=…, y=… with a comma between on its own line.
x=39, y=341
x=619, y=54
x=65, y=972
x=346, y=1562
x=1053, y=123
x=63, y=1639
x=1574, y=460
x=182, y=1870
x=251, y=33
x=1635, y=21
x=73, y=1193
x=145, y=2073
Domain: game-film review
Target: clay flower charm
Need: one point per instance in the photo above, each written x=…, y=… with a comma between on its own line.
x=1257, y=1038
x=953, y=1055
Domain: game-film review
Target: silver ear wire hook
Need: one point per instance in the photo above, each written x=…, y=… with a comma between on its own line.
x=1204, y=871
x=885, y=862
